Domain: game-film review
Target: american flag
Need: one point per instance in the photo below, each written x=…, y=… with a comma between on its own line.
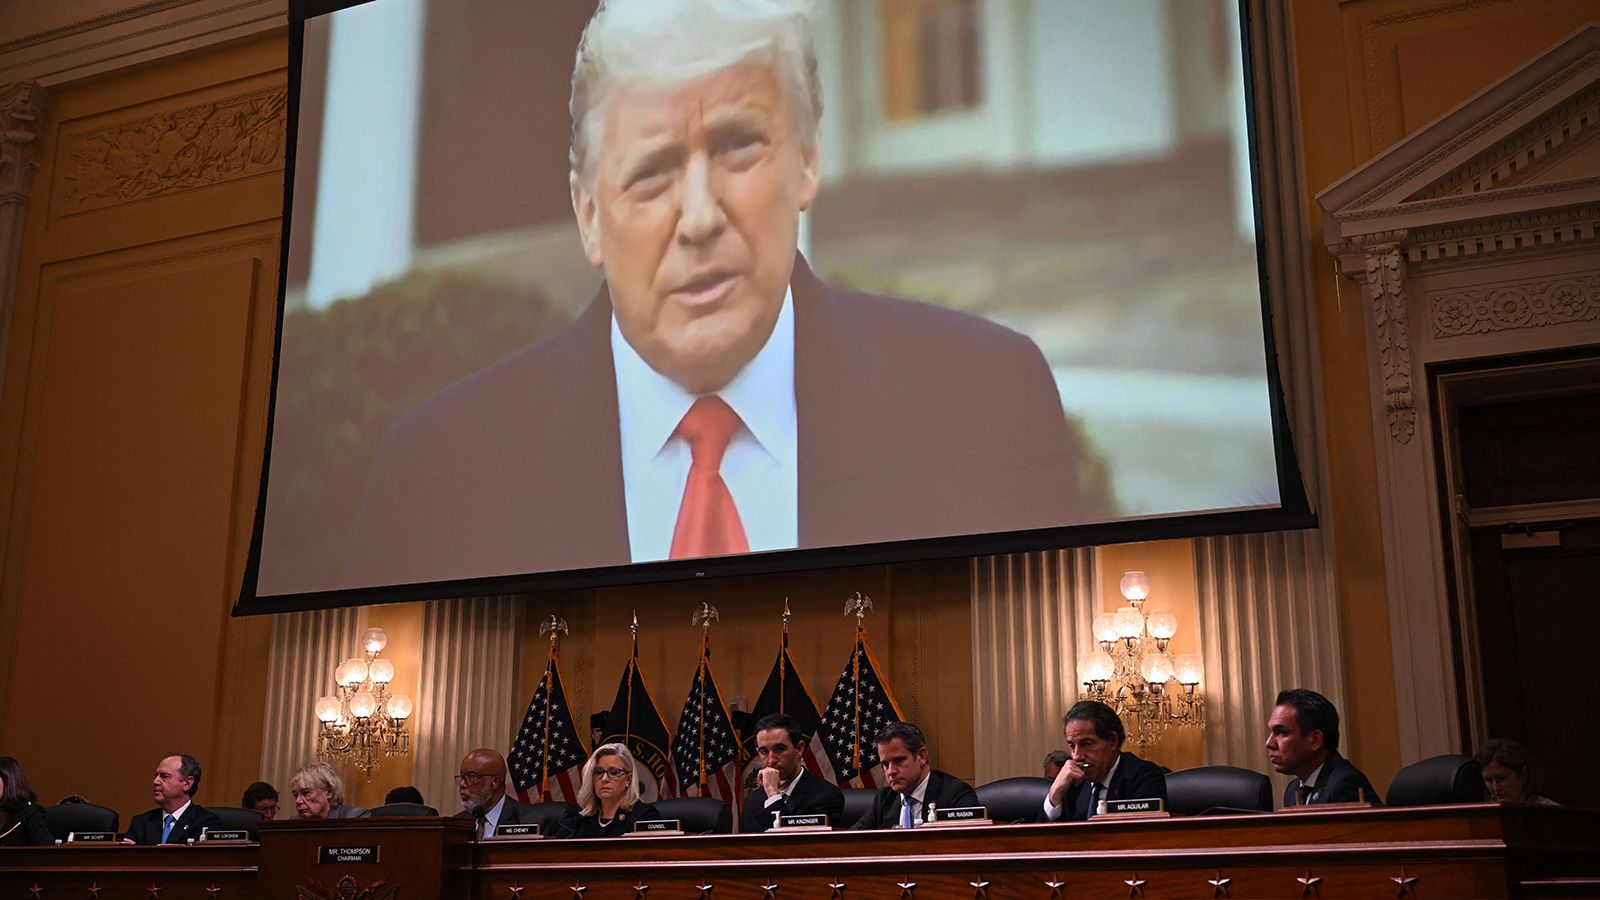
x=547, y=755
x=705, y=749
x=860, y=705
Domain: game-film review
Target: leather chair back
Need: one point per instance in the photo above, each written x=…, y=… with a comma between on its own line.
x=698, y=815
x=237, y=817
x=402, y=809
x=1013, y=800
x=856, y=803
x=64, y=818
x=548, y=815
x=1440, y=779
x=1217, y=789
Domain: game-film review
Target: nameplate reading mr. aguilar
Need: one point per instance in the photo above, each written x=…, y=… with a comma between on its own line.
x=344, y=855
x=1148, y=805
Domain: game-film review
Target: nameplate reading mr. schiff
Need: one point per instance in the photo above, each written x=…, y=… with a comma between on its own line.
x=91, y=837
x=342, y=855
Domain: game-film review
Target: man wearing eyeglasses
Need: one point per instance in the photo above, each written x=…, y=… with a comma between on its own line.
x=483, y=794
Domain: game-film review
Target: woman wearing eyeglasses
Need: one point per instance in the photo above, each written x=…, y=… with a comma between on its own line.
x=608, y=799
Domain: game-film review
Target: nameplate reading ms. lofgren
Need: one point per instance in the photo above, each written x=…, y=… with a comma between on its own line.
x=208, y=835
x=343, y=855
x=813, y=820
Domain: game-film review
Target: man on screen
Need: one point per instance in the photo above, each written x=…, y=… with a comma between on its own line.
x=716, y=397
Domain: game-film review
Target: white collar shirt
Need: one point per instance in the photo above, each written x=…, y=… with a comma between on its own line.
x=491, y=816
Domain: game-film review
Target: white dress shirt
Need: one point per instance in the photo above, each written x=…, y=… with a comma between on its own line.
x=919, y=810
x=1053, y=812
x=760, y=468
x=787, y=790
x=491, y=816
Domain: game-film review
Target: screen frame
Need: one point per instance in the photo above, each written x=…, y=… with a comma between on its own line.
x=1293, y=512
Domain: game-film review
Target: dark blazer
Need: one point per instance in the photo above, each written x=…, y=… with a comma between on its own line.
x=1134, y=779
x=1338, y=782
x=145, y=828
x=914, y=421
x=944, y=791
x=26, y=828
x=515, y=812
x=576, y=825
x=810, y=795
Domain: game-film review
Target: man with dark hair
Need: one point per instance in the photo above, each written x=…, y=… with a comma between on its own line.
x=782, y=786
x=177, y=819
x=263, y=798
x=1098, y=768
x=914, y=785
x=597, y=727
x=1054, y=762
x=1303, y=741
x=407, y=793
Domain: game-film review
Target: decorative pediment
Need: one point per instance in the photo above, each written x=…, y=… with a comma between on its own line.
x=1526, y=146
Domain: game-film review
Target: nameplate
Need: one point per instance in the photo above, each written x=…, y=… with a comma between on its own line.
x=214, y=835
x=346, y=855
x=658, y=826
x=1323, y=807
x=1147, y=807
x=520, y=832
x=963, y=813
x=91, y=837
x=809, y=820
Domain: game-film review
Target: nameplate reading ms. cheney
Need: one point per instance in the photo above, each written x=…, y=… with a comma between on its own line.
x=343, y=855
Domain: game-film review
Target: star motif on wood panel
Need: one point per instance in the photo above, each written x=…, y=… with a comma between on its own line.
x=1219, y=885
x=1308, y=885
x=1407, y=883
x=639, y=888
x=36, y=891
x=838, y=890
x=154, y=891
x=213, y=890
x=515, y=889
x=1055, y=886
x=980, y=889
x=704, y=888
x=769, y=891
x=577, y=890
x=95, y=889
x=1135, y=885
x=908, y=889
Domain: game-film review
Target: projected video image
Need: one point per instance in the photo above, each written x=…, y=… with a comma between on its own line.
x=677, y=279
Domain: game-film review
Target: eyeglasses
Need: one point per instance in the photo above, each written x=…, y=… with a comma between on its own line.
x=469, y=777
x=611, y=773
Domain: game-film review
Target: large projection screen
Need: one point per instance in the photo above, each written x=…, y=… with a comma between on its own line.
x=988, y=279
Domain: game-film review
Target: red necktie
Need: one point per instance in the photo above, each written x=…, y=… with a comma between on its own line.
x=708, y=521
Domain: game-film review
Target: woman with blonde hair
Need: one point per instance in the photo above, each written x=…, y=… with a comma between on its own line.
x=608, y=800
x=319, y=794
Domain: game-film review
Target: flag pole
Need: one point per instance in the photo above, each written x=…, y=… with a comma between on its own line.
x=857, y=605
x=783, y=659
x=703, y=617
x=633, y=669
x=551, y=628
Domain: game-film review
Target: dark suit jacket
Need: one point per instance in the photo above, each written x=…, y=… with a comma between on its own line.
x=26, y=827
x=145, y=828
x=913, y=421
x=576, y=825
x=944, y=791
x=1134, y=779
x=514, y=812
x=1338, y=782
x=810, y=795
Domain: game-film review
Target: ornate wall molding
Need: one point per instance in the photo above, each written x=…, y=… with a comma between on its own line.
x=1538, y=231
x=137, y=33
x=174, y=151
x=21, y=110
x=1384, y=286
x=1530, y=303
x=1514, y=159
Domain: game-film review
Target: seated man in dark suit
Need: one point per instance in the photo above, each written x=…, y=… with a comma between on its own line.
x=914, y=785
x=177, y=819
x=1303, y=741
x=1099, y=769
x=483, y=794
x=783, y=786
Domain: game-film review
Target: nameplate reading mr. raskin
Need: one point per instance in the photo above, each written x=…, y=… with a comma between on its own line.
x=1147, y=805
x=811, y=820
x=343, y=855
x=963, y=813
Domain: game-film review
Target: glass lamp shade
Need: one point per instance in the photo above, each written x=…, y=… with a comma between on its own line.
x=1163, y=624
x=362, y=704
x=1156, y=669
x=1135, y=585
x=1130, y=622
x=355, y=672
x=374, y=640
x=327, y=710
x=400, y=707
x=381, y=671
x=1190, y=669
x=1098, y=666
x=1105, y=627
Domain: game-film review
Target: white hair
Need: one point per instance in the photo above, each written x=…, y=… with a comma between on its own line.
x=664, y=43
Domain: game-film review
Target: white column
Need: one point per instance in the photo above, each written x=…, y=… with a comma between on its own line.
x=467, y=694
x=1031, y=614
